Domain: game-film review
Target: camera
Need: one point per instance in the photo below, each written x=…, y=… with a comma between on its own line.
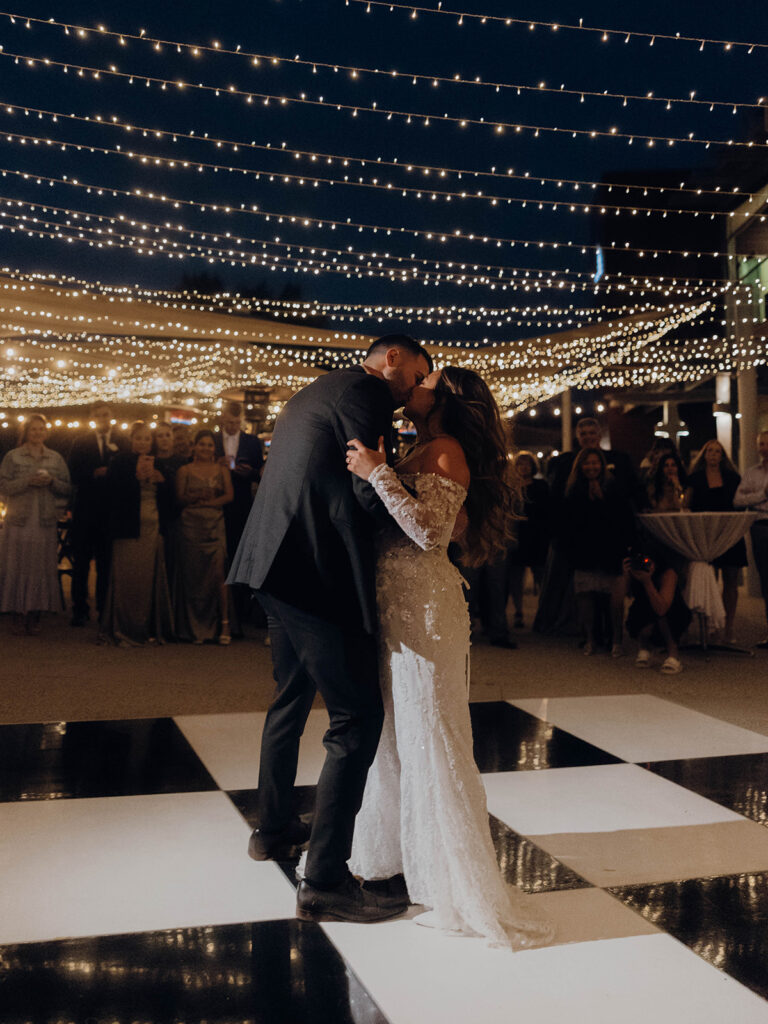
x=640, y=562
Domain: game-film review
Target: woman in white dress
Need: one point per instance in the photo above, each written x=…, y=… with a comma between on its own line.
x=424, y=812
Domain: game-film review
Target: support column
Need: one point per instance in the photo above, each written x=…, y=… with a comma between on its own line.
x=566, y=417
x=670, y=419
x=747, y=384
x=722, y=411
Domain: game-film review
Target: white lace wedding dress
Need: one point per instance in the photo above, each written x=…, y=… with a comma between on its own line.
x=424, y=811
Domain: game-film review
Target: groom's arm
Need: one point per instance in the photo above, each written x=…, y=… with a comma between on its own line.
x=364, y=411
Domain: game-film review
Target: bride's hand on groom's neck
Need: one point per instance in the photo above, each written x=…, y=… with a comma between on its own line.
x=361, y=460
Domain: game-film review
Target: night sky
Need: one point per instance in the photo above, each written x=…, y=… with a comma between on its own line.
x=332, y=32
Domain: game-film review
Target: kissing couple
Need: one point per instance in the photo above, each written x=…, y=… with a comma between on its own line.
x=348, y=556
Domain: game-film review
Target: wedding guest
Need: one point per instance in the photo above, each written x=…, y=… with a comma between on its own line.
x=658, y=614
x=169, y=463
x=242, y=454
x=89, y=460
x=203, y=488
x=167, y=460
x=667, y=488
x=557, y=612
x=182, y=441
x=752, y=493
x=533, y=530
x=661, y=446
x=35, y=484
x=712, y=485
x=596, y=529
x=137, y=608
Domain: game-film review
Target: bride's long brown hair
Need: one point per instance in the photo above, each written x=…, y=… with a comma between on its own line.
x=469, y=413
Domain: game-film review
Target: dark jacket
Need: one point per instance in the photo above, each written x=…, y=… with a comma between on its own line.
x=596, y=534
x=309, y=536
x=236, y=511
x=124, y=498
x=91, y=499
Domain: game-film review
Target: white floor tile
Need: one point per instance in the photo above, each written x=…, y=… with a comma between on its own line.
x=72, y=868
x=597, y=798
x=639, y=727
x=229, y=746
x=421, y=977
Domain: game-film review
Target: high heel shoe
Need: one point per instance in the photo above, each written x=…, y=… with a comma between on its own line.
x=224, y=636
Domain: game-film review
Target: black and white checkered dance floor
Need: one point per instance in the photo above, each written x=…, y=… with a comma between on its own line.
x=126, y=893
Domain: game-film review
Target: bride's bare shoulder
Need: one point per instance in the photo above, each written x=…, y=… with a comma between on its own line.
x=445, y=456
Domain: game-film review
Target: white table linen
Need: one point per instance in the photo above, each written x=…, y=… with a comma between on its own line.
x=700, y=537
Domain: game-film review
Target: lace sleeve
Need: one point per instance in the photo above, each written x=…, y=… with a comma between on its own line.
x=424, y=519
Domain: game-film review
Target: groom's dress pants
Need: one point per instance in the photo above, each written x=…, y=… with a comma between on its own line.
x=310, y=654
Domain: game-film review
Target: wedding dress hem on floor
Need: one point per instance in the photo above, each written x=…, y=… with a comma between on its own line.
x=424, y=811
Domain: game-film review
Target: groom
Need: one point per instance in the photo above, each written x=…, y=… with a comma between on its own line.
x=308, y=552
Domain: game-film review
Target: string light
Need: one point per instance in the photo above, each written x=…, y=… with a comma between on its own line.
x=265, y=61
x=163, y=162
x=302, y=221
x=347, y=159
x=91, y=74
x=605, y=33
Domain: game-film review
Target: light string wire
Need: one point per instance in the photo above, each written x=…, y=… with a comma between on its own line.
x=409, y=166
x=555, y=26
x=234, y=302
x=498, y=359
x=29, y=61
x=406, y=265
x=166, y=162
x=243, y=302
x=82, y=32
x=439, y=235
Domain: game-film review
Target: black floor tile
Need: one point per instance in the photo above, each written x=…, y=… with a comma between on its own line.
x=724, y=920
x=738, y=781
x=275, y=972
x=509, y=739
x=90, y=759
x=246, y=801
x=527, y=866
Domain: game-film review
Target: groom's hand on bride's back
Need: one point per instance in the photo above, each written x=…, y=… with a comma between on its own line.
x=361, y=460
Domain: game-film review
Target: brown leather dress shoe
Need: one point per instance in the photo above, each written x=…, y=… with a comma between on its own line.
x=279, y=845
x=346, y=902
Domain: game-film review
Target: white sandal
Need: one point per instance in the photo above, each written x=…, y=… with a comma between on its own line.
x=672, y=666
x=643, y=658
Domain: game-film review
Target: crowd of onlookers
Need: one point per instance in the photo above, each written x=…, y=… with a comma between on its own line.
x=588, y=552
x=161, y=512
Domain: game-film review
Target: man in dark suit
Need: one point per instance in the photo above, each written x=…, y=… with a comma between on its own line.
x=308, y=552
x=89, y=459
x=242, y=454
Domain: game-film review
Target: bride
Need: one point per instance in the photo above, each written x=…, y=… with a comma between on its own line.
x=424, y=811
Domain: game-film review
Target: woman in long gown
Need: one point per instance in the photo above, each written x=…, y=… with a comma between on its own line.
x=203, y=487
x=138, y=604
x=34, y=480
x=424, y=812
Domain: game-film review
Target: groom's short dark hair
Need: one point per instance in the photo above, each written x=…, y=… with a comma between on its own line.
x=404, y=341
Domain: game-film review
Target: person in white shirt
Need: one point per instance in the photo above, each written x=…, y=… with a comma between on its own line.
x=752, y=493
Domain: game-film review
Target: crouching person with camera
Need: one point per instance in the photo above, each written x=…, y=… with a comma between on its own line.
x=658, y=615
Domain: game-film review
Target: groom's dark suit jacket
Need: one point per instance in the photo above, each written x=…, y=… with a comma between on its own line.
x=309, y=536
